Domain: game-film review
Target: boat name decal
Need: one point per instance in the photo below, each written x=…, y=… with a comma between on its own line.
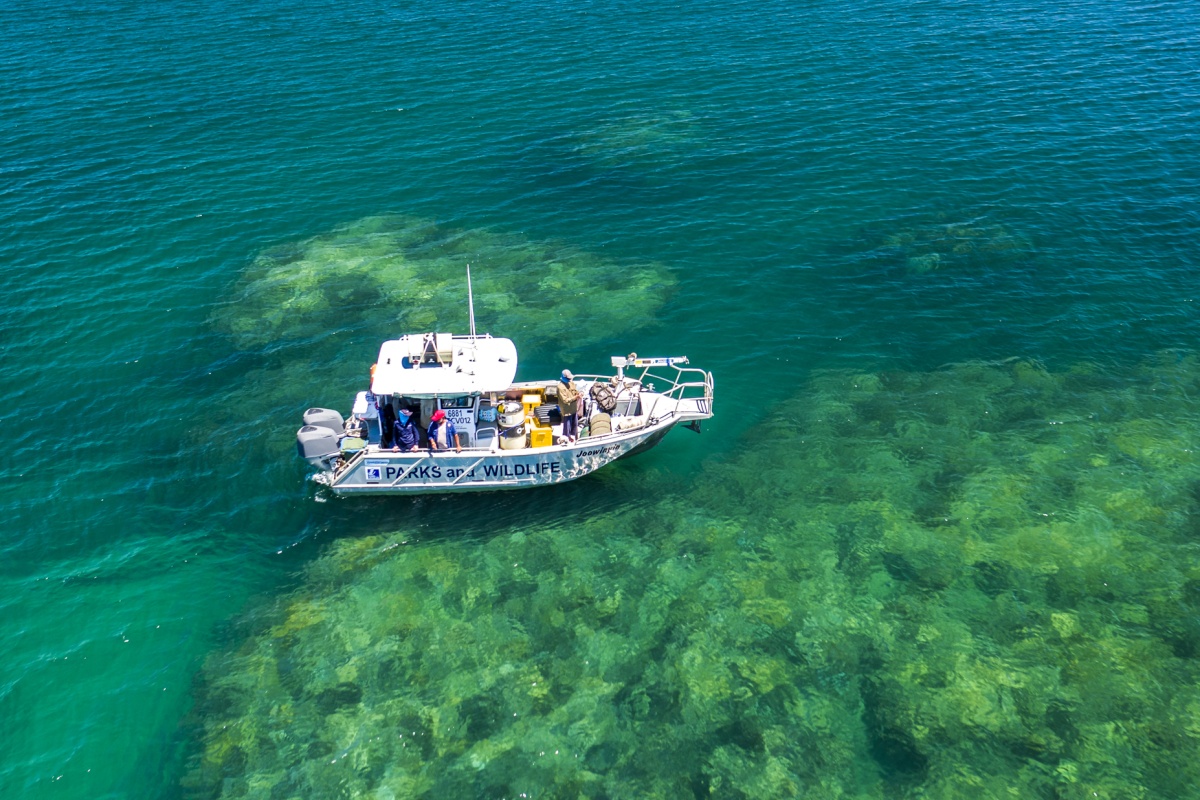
x=374, y=474
x=598, y=451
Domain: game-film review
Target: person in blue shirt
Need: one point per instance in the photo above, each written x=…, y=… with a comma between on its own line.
x=404, y=432
x=442, y=433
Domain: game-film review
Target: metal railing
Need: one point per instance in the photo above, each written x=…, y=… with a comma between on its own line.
x=698, y=379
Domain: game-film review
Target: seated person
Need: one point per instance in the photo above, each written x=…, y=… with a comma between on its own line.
x=404, y=433
x=442, y=432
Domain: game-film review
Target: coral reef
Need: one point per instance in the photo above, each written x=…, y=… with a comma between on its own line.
x=389, y=274
x=979, y=581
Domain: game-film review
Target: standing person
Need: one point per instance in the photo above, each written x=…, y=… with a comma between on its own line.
x=442, y=432
x=568, y=405
x=404, y=432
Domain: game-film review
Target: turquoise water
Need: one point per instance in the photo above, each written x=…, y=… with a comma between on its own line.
x=817, y=191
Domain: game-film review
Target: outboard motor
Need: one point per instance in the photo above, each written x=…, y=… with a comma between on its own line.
x=325, y=418
x=317, y=445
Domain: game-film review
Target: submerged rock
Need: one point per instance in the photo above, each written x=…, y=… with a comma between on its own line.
x=979, y=580
x=643, y=140
x=943, y=243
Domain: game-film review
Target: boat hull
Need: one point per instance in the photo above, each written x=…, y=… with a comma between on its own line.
x=425, y=472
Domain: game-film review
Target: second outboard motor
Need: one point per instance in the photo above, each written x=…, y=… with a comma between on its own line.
x=325, y=418
x=317, y=445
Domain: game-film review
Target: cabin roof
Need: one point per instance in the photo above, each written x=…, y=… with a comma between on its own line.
x=425, y=365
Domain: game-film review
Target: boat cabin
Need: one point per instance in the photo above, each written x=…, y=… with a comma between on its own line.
x=466, y=376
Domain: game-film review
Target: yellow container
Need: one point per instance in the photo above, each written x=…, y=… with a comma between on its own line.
x=541, y=437
x=531, y=401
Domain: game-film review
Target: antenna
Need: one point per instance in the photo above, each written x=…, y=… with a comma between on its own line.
x=470, y=301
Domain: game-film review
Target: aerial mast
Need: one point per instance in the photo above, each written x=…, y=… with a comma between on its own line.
x=470, y=301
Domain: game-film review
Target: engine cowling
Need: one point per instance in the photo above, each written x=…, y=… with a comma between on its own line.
x=325, y=418
x=317, y=445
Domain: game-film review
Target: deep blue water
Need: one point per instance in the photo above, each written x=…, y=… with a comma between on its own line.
x=803, y=171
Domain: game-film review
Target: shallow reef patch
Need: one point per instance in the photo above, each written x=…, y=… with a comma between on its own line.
x=386, y=274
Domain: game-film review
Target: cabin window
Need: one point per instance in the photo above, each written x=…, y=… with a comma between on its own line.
x=466, y=401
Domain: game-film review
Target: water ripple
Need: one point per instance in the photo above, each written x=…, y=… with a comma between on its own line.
x=806, y=172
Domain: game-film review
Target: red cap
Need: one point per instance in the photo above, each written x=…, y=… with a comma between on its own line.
x=438, y=416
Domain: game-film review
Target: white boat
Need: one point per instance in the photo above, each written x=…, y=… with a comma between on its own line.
x=510, y=433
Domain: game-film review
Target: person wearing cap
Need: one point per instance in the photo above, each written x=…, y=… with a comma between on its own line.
x=404, y=432
x=442, y=432
x=568, y=406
